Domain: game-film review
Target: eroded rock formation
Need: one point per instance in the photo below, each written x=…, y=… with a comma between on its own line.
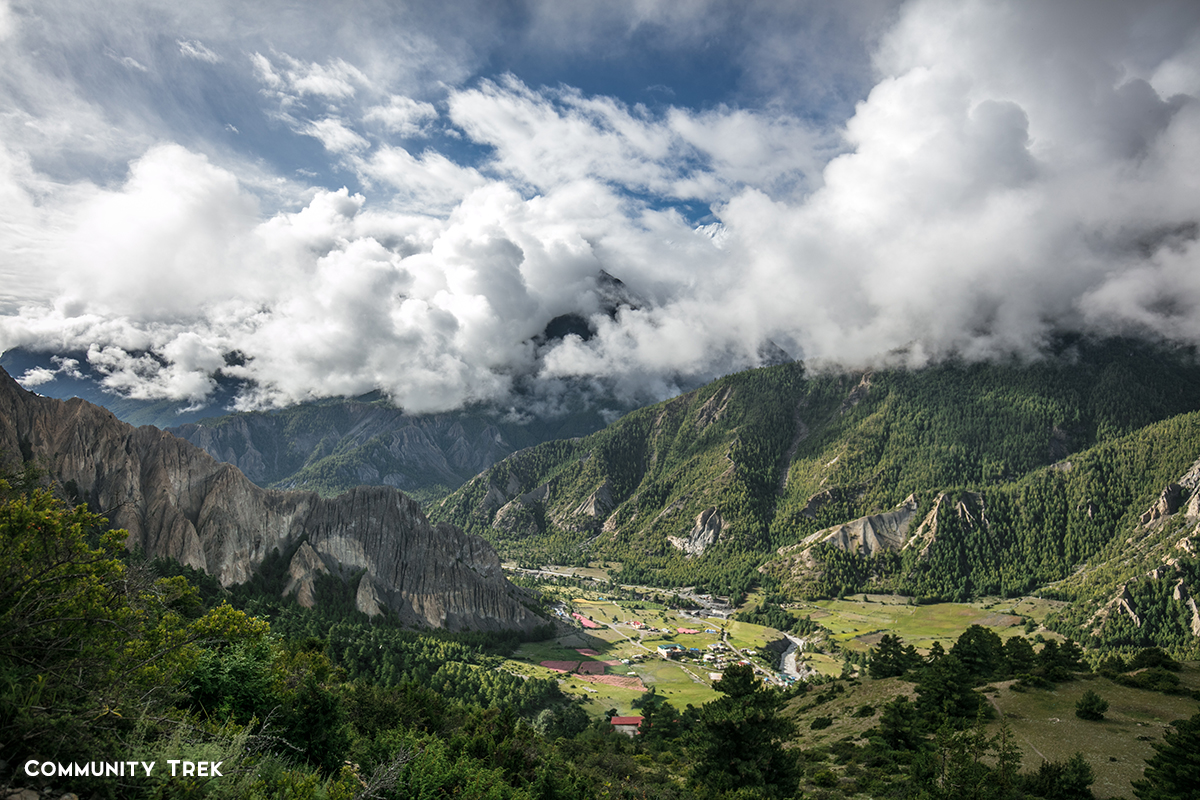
x=176, y=500
x=704, y=533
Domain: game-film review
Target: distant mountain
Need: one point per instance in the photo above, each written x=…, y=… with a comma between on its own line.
x=332, y=446
x=950, y=481
x=327, y=446
x=176, y=501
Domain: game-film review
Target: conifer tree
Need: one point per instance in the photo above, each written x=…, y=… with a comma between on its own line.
x=1173, y=772
x=738, y=739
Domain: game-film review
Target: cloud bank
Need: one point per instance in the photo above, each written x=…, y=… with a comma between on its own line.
x=402, y=219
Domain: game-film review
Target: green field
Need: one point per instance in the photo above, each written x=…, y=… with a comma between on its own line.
x=683, y=682
x=858, y=624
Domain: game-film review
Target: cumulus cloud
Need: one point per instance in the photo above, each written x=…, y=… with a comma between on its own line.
x=1010, y=171
x=335, y=135
x=36, y=376
x=554, y=136
x=402, y=115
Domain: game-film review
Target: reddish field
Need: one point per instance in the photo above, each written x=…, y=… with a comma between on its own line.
x=616, y=680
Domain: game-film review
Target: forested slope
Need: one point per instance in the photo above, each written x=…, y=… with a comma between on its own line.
x=706, y=487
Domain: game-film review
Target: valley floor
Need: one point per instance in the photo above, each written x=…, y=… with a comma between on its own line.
x=606, y=652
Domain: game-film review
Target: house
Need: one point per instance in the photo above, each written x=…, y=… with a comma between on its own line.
x=670, y=650
x=626, y=725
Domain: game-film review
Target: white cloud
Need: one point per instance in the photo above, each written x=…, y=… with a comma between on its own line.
x=336, y=79
x=550, y=137
x=1016, y=168
x=335, y=135
x=129, y=62
x=164, y=245
x=430, y=181
x=35, y=377
x=402, y=115
x=190, y=48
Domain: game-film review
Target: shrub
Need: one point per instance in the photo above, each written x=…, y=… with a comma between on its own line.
x=1091, y=706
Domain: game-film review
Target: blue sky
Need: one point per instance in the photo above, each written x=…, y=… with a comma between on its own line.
x=400, y=196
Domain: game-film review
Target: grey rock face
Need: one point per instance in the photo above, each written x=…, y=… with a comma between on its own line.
x=373, y=444
x=703, y=534
x=871, y=534
x=176, y=500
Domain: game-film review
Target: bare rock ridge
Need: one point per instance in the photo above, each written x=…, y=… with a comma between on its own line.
x=176, y=500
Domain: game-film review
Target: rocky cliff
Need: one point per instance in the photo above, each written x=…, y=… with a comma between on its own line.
x=176, y=500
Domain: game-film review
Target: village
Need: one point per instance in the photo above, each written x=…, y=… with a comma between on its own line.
x=615, y=644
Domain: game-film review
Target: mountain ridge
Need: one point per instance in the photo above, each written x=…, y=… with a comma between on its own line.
x=177, y=501
x=703, y=489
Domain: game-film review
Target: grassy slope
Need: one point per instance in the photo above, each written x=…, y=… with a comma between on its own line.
x=1045, y=726
x=1042, y=722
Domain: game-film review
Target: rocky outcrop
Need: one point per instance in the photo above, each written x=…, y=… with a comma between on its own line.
x=969, y=509
x=1167, y=504
x=1182, y=595
x=525, y=514
x=1122, y=603
x=176, y=500
x=598, y=504
x=1190, y=479
x=303, y=570
x=857, y=394
x=713, y=409
x=871, y=534
x=704, y=533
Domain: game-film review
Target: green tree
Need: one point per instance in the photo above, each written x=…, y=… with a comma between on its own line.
x=1091, y=706
x=900, y=725
x=1018, y=656
x=1173, y=772
x=944, y=692
x=980, y=651
x=1057, y=780
x=738, y=739
x=891, y=659
x=89, y=644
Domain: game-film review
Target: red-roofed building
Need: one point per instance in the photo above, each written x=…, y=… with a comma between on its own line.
x=626, y=725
